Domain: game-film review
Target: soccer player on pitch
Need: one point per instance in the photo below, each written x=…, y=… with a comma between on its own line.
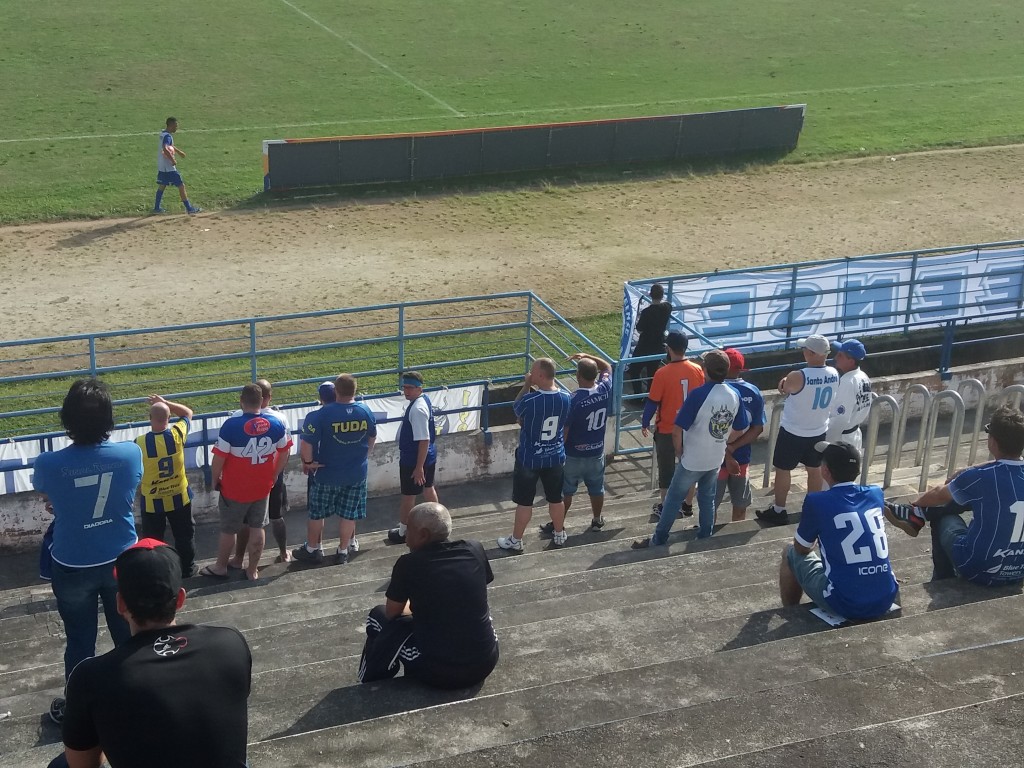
x=167, y=169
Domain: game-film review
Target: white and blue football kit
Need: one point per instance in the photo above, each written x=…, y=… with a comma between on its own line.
x=992, y=550
x=166, y=169
x=848, y=524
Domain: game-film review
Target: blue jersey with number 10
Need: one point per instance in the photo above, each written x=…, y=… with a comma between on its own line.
x=542, y=415
x=848, y=524
x=588, y=416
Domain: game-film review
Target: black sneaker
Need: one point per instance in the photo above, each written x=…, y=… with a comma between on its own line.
x=686, y=511
x=395, y=537
x=57, y=710
x=772, y=516
x=597, y=524
x=303, y=555
x=905, y=517
x=191, y=571
x=341, y=558
x=656, y=511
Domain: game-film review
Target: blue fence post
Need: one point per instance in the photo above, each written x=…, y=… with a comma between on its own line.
x=92, y=356
x=207, y=474
x=401, y=343
x=252, y=350
x=617, y=409
x=910, y=294
x=946, y=357
x=485, y=414
x=792, y=307
x=529, y=334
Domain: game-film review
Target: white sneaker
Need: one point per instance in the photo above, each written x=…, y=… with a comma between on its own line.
x=507, y=542
x=353, y=544
x=558, y=538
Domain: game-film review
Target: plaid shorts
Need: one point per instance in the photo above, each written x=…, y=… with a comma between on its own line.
x=345, y=501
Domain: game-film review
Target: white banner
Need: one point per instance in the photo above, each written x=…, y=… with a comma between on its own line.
x=864, y=296
x=16, y=458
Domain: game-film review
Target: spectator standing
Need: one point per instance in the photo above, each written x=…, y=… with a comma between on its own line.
x=247, y=459
x=341, y=434
x=669, y=388
x=89, y=487
x=711, y=416
x=584, y=436
x=435, y=622
x=739, y=449
x=172, y=695
x=542, y=409
x=989, y=551
x=650, y=327
x=852, y=402
x=417, y=454
x=165, y=494
x=809, y=393
x=852, y=577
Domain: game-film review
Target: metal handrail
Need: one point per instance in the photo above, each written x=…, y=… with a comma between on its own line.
x=979, y=412
x=874, y=417
x=773, y=437
x=901, y=433
x=1013, y=392
x=955, y=431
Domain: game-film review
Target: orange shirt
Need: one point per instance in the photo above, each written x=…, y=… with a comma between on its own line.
x=669, y=387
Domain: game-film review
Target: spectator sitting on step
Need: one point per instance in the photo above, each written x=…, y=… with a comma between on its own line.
x=990, y=550
x=171, y=695
x=852, y=577
x=436, y=622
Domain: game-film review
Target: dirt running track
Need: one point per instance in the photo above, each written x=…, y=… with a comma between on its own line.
x=574, y=245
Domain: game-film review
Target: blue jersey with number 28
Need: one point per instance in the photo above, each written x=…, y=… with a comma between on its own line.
x=847, y=522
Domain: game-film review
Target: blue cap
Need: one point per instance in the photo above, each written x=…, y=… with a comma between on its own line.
x=852, y=347
x=326, y=392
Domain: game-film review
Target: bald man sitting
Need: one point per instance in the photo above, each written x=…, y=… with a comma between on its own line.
x=436, y=623
x=165, y=493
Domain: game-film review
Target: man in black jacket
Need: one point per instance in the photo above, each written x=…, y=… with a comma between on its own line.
x=651, y=326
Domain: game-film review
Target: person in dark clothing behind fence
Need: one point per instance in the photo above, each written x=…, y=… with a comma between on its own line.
x=436, y=623
x=651, y=327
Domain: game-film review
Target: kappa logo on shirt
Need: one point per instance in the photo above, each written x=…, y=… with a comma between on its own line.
x=256, y=427
x=168, y=645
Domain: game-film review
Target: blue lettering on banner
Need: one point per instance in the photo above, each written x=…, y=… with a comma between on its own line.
x=1003, y=289
x=870, y=302
x=803, y=303
x=939, y=295
x=731, y=318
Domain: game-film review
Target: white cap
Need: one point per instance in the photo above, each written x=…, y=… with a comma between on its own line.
x=816, y=343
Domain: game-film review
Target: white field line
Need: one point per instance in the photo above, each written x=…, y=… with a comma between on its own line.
x=375, y=60
x=536, y=111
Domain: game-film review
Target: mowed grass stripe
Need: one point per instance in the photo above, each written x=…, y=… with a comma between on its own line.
x=877, y=78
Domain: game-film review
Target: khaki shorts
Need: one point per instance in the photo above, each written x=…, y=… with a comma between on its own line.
x=235, y=514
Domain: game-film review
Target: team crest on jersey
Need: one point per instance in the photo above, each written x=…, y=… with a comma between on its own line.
x=720, y=422
x=168, y=645
x=256, y=427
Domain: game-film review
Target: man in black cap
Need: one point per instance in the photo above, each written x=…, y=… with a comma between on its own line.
x=852, y=577
x=173, y=695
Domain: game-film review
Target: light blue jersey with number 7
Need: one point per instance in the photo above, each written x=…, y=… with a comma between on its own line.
x=92, y=490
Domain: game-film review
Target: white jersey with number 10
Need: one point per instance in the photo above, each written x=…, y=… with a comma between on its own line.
x=805, y=413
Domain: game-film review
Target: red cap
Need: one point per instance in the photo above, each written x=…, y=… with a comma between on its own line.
x=736, y=361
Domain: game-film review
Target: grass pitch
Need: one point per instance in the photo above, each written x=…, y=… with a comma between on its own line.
x=86, y=86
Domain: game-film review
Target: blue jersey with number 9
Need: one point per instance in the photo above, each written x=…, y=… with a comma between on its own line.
x=542, y=415
x=92, y=489
x=847, y=522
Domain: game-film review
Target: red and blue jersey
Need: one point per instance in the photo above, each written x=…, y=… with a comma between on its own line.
x=249, y=444
x=542, y=415
x=847, y=522
x=588, y=414
x=992, y=550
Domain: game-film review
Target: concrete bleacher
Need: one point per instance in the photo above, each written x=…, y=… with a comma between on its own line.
x=609, y=656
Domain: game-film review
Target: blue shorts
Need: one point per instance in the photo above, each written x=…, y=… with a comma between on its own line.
x=791, y=450
x=588, y=469
x=169, y=178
